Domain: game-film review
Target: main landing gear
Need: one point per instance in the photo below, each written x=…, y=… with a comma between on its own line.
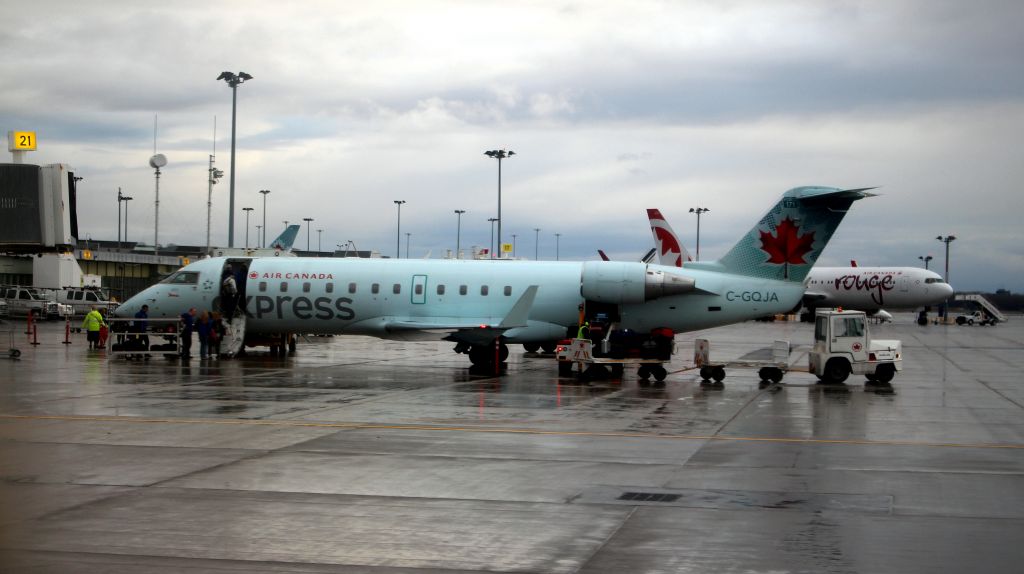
x=483, y=355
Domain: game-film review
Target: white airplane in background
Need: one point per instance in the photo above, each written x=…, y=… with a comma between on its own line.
x=862, y=288
x=483, y=304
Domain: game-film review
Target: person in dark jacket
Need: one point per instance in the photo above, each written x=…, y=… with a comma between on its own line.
x=188, y=320
x=203, y=328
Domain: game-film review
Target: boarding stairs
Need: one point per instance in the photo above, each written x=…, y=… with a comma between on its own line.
x=234, y=335
x=984, y=303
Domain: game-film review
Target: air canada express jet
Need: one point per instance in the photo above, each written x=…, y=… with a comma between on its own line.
x=478, y=303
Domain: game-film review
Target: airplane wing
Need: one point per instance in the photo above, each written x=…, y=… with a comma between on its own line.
x=479, y=330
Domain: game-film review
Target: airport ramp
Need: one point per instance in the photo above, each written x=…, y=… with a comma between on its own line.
x=984, y=303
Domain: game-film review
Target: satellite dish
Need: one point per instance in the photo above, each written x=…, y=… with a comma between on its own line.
x=157, y=161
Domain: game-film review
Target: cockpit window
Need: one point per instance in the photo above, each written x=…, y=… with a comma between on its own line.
x=933, y=280
x=183, y=278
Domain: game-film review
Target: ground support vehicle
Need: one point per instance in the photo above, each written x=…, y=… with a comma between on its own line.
x=770, y=369
x=83, y=299
x=127, y=339
x=23, y=301
x=616, y=353
x=843, y=346
x=979, y=317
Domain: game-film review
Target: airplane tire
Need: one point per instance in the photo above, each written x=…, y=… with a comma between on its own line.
x=659, y=373
x=549, y=347
x=643, y=372
x=718, y=373
x=705, y=373
x=531, y=347
x=481, y=355
x=762, y=373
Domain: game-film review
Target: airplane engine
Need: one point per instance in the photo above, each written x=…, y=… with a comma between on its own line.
x=624, y=282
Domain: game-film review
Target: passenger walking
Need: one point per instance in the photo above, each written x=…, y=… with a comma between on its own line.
x=141, y=326
x=203, y=328
x=92, y=323
x=216, y=333
x=188, y=320
x=228, y=294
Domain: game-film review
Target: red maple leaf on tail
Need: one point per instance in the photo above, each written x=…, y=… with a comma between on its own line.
x=785, y=246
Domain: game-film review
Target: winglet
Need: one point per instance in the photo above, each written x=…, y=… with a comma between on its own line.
x=520, y=312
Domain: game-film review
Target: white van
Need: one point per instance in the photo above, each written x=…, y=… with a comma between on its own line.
x=82, y=299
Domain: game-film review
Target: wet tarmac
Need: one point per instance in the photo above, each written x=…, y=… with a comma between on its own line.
x=361, y=455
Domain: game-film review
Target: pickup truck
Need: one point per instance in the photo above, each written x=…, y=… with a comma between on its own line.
x=22, y=301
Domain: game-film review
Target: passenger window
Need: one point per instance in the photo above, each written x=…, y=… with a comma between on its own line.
x=330, y=287
x=351, y=287
x=483, y=290
x=418, y=288
x=375, y=288
x=263, y=286
x=305, y=287
x=462, y=290
x=396, y=289
x=440, y=289
x=284, y=286
x=508, y=290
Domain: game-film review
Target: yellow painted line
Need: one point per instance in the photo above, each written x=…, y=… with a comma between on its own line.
x=381, y=426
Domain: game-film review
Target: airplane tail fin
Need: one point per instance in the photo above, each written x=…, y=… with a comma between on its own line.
x=670, y=250
x=787, y=241
x=286, y=239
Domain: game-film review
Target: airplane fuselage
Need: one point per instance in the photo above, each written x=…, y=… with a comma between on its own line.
x=420, y=299
x=872, y=288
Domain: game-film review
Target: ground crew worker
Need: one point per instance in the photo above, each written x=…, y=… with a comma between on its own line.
x=92, y=323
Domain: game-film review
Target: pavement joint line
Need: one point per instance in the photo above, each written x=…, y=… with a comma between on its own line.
x=506, y=430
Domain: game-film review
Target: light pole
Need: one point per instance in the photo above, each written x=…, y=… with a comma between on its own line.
x=557, y=237
x=125, y=199
x=264, y=193
x=156, y=162
x=307, y=220
x=492, y=220
x=258, y=229
x=699, y=211
x=458, y=230
x=398, y=234
x=499, y=154
x=319, y=241
x=247, y=210
x=214, y=175
x=407, y=236
x=536, y=243
x=926, y=259
x=233, y=80
x=947, y=240
x=513, y=246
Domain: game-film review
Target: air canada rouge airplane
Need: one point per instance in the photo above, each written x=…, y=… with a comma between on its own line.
x=482, y=305
x=862, y=288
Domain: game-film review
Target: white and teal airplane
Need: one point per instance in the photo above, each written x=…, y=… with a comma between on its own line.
x=478, y=303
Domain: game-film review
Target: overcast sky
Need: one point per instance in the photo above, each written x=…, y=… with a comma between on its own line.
x=611, y=108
